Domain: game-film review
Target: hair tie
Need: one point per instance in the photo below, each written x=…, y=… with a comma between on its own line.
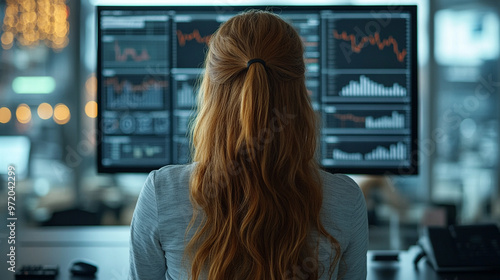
x=258, y=60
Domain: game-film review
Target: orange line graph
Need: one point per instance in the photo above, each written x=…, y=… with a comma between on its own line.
x=309, y=43
x=349, y=117
x=195, y=35
x=118, y=86
x=123, y=56
x=311, y=60
x=373, y=40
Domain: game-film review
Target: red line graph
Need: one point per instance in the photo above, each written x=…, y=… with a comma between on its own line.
x=130, y=52
x=195, y=35
x=309, y=43
x=373, y=40
x=350, y=117
x=311, y=60
x=118, y=86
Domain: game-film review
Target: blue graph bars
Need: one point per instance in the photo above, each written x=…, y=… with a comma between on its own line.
x=396, y=120
x=367, y=87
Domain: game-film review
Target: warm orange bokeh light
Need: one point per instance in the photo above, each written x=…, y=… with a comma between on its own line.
x=91, y=86
x=45, y=111
x=30, y=22
x=61, y=114
x=23, y=113
x=91, y=109
x=5, y=115
x=7, y=38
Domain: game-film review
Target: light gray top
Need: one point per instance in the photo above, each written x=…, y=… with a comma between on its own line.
x=164, y=211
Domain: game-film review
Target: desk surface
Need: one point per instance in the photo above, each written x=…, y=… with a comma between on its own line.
x=107, y=247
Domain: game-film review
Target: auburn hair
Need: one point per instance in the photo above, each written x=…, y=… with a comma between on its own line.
x=256, y=189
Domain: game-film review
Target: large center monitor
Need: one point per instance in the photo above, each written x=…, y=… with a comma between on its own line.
x=361, y=75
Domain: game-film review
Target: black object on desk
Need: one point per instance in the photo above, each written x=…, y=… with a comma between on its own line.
x=40, y=272
x=386, y=256
x=462, y=248
x=83, y=269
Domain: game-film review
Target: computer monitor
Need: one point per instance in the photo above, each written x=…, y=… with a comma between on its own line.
x=361, y=75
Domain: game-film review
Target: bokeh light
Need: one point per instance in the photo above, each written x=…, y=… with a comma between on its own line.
x=61, y=114
x=91, y=109
x=30, y=21
x=5, y=115
x=45, y=111
x=91, y=86
x=23, y=113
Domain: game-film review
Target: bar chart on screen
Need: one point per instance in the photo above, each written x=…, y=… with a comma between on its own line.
x=366, y=119
x=377, y=86
x=367, y=87
x=380, y=150
x=186, y=90
x=135, y=92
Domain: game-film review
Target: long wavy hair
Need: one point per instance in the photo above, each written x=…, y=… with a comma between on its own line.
x=256, y=189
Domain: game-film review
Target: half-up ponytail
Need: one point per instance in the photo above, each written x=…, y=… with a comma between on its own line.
x=255, y=107
x=256, y=185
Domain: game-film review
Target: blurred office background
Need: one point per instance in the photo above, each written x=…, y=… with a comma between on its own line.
x=48, y=121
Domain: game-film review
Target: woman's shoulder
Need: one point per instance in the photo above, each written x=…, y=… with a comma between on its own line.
x=177, y=173
x=341, y=195
x=343, y=206
x=339, y=184
x=172, y=181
